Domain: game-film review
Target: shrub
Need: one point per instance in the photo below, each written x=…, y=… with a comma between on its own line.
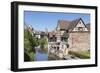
x=29, y=45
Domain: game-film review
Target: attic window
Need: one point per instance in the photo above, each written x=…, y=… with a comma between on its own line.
x=79, y=22
x=80, y=28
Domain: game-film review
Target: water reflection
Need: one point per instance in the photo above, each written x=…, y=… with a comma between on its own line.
x=40, y=55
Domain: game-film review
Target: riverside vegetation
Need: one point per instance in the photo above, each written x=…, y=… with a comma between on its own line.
x=30, y=42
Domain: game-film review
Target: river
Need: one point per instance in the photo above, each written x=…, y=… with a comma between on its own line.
x=40, y=55
x=43, y=56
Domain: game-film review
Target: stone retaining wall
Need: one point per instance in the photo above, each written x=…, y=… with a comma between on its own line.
x=79, y=41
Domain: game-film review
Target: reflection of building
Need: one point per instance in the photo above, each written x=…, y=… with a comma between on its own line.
x=76, y=32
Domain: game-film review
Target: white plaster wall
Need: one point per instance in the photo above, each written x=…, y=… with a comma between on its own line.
x=80, y=25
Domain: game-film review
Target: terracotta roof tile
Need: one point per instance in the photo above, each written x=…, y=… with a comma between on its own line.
x=64, y=24
x=68, y=25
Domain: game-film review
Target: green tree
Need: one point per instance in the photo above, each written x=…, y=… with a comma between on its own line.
x=29, y=45
x=65, y=37
x=43, y=43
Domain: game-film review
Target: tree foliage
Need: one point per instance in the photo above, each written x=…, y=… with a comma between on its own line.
x=43, y=42
x=29, y=45
x=30, y=42
x=65, y=36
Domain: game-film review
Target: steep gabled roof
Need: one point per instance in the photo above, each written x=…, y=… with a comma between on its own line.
x=74, y=23
x=69, y=25
x=63, y=24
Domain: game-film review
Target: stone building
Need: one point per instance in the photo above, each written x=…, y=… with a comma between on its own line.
x=70, y=35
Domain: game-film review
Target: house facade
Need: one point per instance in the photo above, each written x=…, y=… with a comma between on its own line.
x=70, y=35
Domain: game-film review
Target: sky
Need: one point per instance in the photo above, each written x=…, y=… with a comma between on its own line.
x=42, y=20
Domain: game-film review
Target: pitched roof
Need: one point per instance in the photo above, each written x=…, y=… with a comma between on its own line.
x=68, y=25
x=53, y=33
x=74, y=23
x=63, y=24
x=88, y=26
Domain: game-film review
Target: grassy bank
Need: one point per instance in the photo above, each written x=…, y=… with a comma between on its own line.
x=81, y=54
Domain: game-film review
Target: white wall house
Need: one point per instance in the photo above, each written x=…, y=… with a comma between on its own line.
x=68, y=27
x=80, y=26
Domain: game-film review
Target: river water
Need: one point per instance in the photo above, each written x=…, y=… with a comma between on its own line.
x=43, y=56
x=40, y=55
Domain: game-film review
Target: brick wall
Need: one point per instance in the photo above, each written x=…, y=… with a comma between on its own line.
x=79, y=41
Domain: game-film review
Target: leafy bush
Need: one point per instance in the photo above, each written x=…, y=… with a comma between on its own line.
x=29, y=45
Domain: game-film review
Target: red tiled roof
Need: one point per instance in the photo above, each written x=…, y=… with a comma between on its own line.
x=68, y=25
x=53, y=33
x=64, y=24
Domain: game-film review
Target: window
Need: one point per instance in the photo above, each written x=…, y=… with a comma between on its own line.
x=80, y=28
x=80, y=22
x=66, y=31
x=54, y=38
